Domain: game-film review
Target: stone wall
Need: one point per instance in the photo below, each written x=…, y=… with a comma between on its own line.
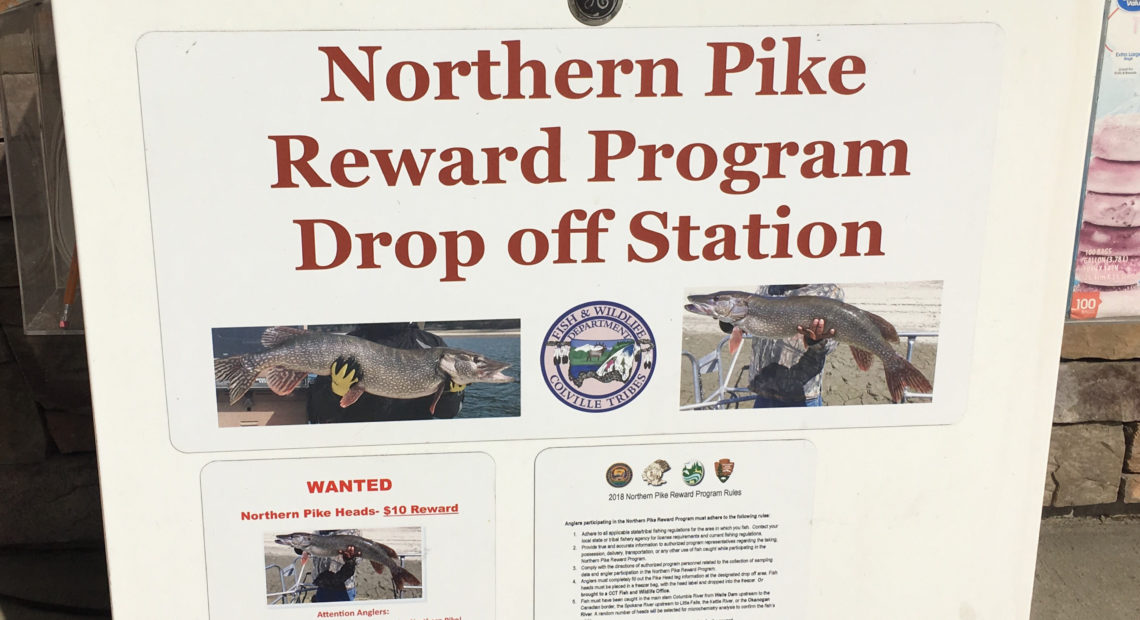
x=1094, y=459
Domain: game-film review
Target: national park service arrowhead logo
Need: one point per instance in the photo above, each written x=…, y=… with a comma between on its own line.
x=723, y=469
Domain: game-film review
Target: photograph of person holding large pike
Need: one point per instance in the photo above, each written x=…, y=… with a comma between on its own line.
x=326, y=566
x=794, y=331
x=806, y=355
x=365, y=373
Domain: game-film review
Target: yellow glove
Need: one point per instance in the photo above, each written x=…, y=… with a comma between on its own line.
x=455, y=387
x=344, y=374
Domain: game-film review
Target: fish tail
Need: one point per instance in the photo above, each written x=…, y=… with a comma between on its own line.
x=902, y=374
x=404, y=578
x=400, y=576
x=238, y=372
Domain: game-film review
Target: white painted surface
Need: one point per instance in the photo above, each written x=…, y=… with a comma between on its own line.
x=932, y=522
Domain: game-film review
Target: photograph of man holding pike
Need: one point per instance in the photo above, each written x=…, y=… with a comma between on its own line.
x=795, y=328
x=371, y=373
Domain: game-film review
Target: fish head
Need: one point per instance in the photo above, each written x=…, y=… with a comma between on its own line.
x=466, y=367
x=727, y=306
x=297, y=540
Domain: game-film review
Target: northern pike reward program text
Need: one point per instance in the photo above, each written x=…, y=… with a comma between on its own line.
x=767, y=68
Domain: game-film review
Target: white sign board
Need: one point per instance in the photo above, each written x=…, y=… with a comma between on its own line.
x=351, y=184
x=436, y=312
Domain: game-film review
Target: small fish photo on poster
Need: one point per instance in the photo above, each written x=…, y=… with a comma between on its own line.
x=808, y=345
x=341, y=565
x=376, y=372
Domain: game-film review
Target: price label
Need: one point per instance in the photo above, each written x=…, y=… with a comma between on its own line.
x=1084, y=304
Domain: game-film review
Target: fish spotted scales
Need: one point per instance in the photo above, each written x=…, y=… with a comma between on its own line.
x=781, y=317
x=381, y=556
x=292, y=354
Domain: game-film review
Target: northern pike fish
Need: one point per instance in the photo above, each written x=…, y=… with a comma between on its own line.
x=291, y=354
x=778, y=317
x=379, y=555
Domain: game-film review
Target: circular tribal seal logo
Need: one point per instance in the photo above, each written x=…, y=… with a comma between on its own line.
x=619, y=475
x=598, y=356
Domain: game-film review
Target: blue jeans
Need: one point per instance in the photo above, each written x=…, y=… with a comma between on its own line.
x=766, y=403
x=324, y=595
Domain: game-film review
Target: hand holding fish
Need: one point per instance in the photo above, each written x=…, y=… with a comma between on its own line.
x=381, y=556
x=291, y=354
x=815, y=332
x=344, y=372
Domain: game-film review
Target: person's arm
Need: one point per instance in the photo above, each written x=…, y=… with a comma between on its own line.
x=336, y=581
x=325, y=392
x=810, y=364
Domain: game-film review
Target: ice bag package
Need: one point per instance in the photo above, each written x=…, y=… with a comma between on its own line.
x=1106, y=271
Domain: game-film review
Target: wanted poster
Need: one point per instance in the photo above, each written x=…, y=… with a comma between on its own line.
x=392, y=537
